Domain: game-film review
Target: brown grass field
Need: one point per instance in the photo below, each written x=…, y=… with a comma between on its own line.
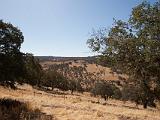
x=79, y=106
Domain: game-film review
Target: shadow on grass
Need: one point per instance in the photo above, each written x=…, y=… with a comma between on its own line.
x=55, y=91
x=16, y=110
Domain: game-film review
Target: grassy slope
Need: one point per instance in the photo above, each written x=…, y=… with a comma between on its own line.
x=93, y=68
x=79, y=106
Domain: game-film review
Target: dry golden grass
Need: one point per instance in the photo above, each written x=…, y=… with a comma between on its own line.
x=79, y=106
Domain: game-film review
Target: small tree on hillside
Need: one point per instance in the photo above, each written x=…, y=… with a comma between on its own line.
x=75, y=85
x=54, y=79
x=103, y=89
x=34, y=70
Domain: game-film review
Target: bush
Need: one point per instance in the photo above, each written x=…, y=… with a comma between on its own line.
x=54, y=79
x=75, y=85
x=106, y=90
x=138, y=95
x=103, y=89
x=16, y=110
x=116, y=92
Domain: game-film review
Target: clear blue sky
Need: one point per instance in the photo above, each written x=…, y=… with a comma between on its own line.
x=62, y=27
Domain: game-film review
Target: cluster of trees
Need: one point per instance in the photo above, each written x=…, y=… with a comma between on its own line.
x=15, y=66
x=52, y=78
x=133, y=48
x=74, y=77
x=128, y=92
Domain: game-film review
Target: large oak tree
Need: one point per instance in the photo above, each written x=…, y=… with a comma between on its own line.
x=133, y=48
x=15, y=66
x=11, y=59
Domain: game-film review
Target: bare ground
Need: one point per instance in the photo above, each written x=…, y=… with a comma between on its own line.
x=79, y=106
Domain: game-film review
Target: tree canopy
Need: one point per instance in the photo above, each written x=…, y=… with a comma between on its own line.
x=11, y=60
x=16, y=66
x=133, y=48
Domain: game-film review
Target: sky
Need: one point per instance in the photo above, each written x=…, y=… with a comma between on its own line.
x=62, y=27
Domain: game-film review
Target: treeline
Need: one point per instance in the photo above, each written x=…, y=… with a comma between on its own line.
x=90, y=59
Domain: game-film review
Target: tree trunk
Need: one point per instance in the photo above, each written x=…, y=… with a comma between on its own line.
x=145, y=104
x=72, y=92
x=105, y=98
x=52, y=87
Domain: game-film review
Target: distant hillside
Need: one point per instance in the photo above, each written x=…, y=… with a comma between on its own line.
x=90, y=63
x=89, y=59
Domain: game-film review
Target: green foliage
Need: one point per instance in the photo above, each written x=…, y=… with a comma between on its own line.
x=15, y=66
x=75, y=85
x=117, y=94
x=103, y=89
x=33, y=69
x=136, y=94
x=133, y=48
x=55, y=80
x=11, y=59
x=78, y=77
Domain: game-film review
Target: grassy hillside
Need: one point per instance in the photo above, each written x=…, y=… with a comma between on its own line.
x=105, y=72
x=79, y=106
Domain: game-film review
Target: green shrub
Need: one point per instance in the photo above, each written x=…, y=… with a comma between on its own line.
x=138, y=95
x=102, y=89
